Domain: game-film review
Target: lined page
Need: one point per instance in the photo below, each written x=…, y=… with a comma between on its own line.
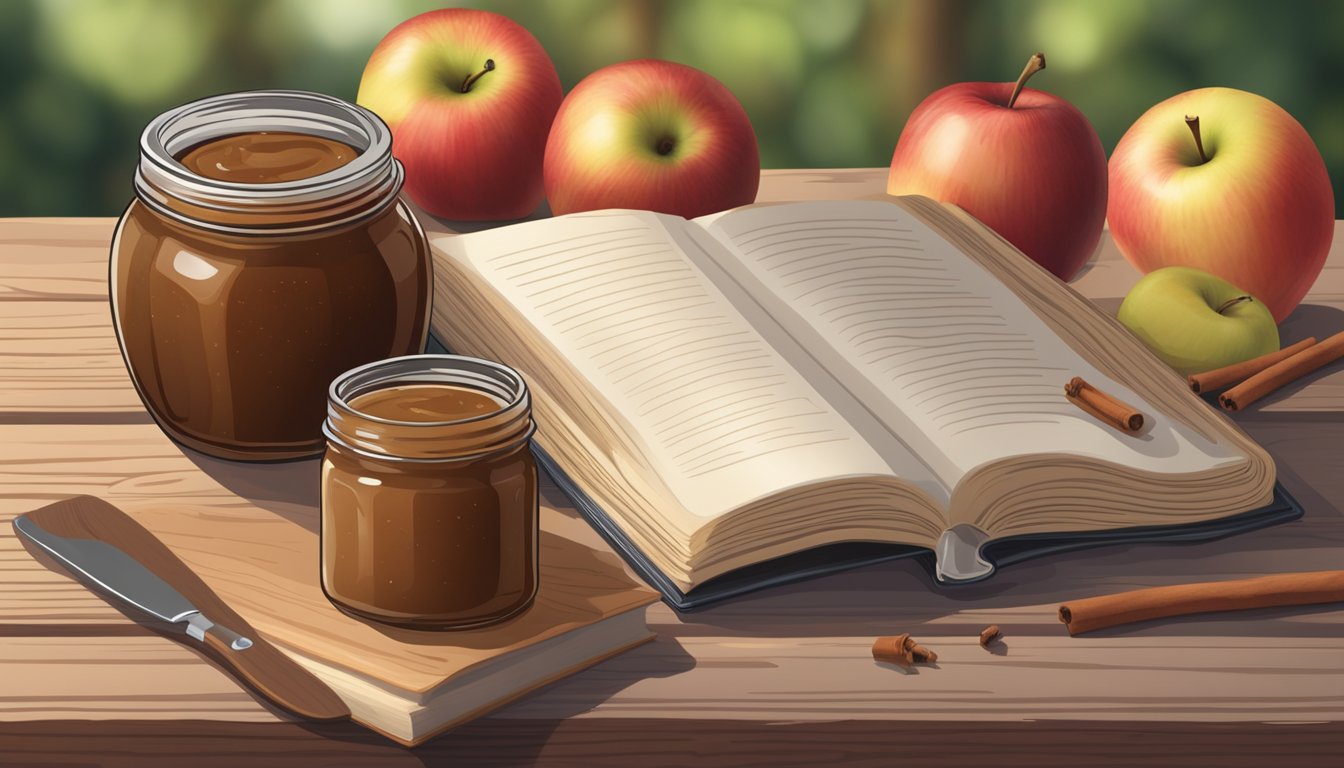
x=931, y=341
x=717, y=410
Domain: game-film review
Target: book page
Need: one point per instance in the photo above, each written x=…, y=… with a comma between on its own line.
x=712, y=406
x=935, y=346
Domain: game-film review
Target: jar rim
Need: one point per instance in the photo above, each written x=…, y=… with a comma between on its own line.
x=396, y=369
x=502, y=429
x=351, y=191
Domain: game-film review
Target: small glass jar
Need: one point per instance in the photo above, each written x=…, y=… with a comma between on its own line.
x=429, y=493
x=236, y=303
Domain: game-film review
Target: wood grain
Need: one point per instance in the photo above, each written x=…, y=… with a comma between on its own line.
x=707, y=742
x=54, y=259
x=136, y=676
x=775, y=678
x=260, y=665
x=60, y=357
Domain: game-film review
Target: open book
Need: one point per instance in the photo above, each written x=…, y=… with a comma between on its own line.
x=735, y=389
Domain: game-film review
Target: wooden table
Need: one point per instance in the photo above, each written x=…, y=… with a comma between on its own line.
x=783, y=677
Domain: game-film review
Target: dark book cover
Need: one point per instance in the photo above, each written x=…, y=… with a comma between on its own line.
x=832, y=558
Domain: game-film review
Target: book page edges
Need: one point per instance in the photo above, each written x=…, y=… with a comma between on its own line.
x=1086, y=329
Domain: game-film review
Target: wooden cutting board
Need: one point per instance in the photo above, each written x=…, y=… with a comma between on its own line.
x=250, y=532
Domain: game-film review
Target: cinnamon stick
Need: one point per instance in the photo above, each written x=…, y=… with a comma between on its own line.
x=1282, y=589
x=1103, y=406
x=1237, y=372
x=1282, y=373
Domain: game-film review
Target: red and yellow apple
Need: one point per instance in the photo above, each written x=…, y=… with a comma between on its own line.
x=1025, y=162
x=1239, y=190
x=469, y=96
x=652, y=135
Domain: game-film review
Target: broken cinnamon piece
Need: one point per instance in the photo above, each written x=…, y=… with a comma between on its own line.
x=902, y=649
x=919, y=652
x=893, y=649
x=988, y=634
x=1104, y=407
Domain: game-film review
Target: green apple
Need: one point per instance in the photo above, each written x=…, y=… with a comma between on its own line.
x=1196, y=321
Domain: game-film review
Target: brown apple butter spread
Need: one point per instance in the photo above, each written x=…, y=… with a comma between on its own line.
x=266, y=157
x=425, y=402
x=429, y=493
x=258, y=262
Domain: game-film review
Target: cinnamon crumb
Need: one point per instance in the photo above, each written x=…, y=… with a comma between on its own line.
x=988, y=635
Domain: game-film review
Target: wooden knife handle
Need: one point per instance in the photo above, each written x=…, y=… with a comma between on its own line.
x=262, y=667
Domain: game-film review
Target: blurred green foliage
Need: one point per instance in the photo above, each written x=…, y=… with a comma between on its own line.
x=827, y=83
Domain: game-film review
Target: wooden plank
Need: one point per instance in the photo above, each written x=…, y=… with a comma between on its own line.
x=54, y=259
x=800, y=652
x=1264, y=679
x=785, y=185
x=60, y=358
x=133, y=677
x=1034, y=677
x=706, y=742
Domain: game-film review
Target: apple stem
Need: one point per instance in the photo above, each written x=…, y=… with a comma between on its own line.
x=1035, y=64
x=471, y=79
x=1193, y=122
x=1233, y=302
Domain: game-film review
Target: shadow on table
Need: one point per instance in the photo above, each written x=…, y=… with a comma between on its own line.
x=1316, y=320
x=290, y=489
x=902, y=596
x=1307, y=320
x=560, y=701
x=557, y=701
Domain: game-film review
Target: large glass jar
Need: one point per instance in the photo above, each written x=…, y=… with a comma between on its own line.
x=239, y=293
x=429, y=493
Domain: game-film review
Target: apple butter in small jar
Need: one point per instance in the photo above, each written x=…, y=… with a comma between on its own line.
x=267, y=251
x=429, y=493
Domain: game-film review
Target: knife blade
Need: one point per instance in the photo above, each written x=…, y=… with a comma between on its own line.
x=125, y=578
x=90, y=538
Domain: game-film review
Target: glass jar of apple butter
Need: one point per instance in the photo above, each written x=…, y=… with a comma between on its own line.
x=266, y=251
x=429, y=493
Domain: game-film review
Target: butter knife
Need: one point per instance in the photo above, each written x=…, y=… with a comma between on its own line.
x=111, y=553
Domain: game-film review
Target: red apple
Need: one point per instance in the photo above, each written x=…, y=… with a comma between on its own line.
x=1026, y=163
x=1228, y=182
x=652, y=135
x=469, y=96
